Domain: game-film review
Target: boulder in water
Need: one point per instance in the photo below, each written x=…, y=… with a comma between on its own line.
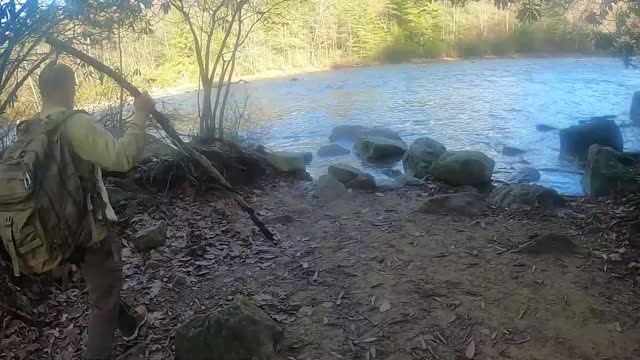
x=512, y=151
x=515, y=196
x=330, y=189
x=421, y=155
x=576, y=140
x=346, y=133
x=605, y=175
x=380, y=149
x=332, y=150
x=545, y=128
x=381, y=132
x=463, y=168
x=351, y=177
x=239, y=331
x=466, y=203
x=525, y=175
x=634, y=112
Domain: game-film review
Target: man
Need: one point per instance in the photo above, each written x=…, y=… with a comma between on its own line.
x=101, y=261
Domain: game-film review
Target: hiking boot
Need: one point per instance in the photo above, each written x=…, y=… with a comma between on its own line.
x=131, y=320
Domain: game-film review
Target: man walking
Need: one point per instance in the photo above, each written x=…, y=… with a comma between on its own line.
x=101, y=261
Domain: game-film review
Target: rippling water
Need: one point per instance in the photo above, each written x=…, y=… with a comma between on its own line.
x=466, y=105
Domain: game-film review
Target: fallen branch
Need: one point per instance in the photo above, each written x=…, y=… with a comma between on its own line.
x=168, y=128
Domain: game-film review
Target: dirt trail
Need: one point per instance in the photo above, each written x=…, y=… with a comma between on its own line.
x=367, y=277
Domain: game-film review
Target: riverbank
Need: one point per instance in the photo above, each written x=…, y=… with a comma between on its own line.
x=365, y=274
x=294, y=74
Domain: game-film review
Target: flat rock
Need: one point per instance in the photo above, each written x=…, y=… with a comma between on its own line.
x=346, y=133
x=240, y=331
x=512, y=151
x=545, y=128
x=376, y=149
x=515, y=196
x=332, y=150
x=330, y=189
x=467, y=204
x=550, y=243
x=288, y=161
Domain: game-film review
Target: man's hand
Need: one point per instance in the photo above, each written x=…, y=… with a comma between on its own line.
x=144, y=104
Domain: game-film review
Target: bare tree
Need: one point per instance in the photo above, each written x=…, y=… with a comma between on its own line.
x=218, y=29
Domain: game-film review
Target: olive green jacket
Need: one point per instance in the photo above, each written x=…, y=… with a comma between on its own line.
x=91, y=142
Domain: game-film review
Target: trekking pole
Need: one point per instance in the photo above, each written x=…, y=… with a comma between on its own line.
x=168, y=128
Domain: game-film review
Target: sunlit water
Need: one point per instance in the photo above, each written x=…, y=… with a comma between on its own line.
x=466, y=105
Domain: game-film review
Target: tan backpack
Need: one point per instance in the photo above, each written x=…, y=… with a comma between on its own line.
x=43, y=196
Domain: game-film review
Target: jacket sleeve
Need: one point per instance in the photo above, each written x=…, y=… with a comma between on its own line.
x=93, y=143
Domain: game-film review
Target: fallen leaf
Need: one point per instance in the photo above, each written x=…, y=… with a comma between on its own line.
x=385, y=306
x=470, y=352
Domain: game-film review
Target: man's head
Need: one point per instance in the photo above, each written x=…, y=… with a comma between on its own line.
x=57, y=84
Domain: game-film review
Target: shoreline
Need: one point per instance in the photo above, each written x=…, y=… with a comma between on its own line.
x=293, y=73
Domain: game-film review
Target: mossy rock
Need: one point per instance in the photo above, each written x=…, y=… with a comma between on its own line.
x=421, y=155
x=240, y=331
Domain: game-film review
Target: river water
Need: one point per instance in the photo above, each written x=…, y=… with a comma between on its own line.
x=466, y=105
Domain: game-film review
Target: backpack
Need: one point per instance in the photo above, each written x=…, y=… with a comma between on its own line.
x=44, y=212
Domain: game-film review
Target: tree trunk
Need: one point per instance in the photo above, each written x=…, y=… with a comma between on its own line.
x=207, y=121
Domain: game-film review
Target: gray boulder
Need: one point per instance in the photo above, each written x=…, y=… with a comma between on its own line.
x=152, y=237
x=240, y=331
x=605, y=175
x=381, y=132
x=525, y=175
x=512, y=151
x=375, y=149
x=351, y=177
x=346, y=133
x=421, y=155
x=330, y=189
x=288, y=161
x=332, y=150
x=634, y=112
x=463, y=168
x=467, y=204
x=576, y=140
x=545, y=128
x=525, y=195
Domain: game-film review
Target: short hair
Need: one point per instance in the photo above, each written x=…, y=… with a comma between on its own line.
x=54, y=78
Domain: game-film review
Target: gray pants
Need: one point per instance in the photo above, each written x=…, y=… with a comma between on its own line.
x=102, y=269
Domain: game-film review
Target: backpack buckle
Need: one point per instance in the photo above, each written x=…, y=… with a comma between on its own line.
x=27, y=181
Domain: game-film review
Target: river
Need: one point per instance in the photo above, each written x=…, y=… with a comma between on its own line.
x=466, y=105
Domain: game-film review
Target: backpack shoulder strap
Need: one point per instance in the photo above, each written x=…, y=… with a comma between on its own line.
x=58, y=119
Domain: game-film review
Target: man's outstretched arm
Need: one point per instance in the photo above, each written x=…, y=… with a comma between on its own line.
x=93, y=143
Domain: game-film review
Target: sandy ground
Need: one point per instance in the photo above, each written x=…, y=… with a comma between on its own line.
x=365, y=277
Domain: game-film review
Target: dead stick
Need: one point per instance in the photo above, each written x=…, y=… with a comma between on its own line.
x=167, y=126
